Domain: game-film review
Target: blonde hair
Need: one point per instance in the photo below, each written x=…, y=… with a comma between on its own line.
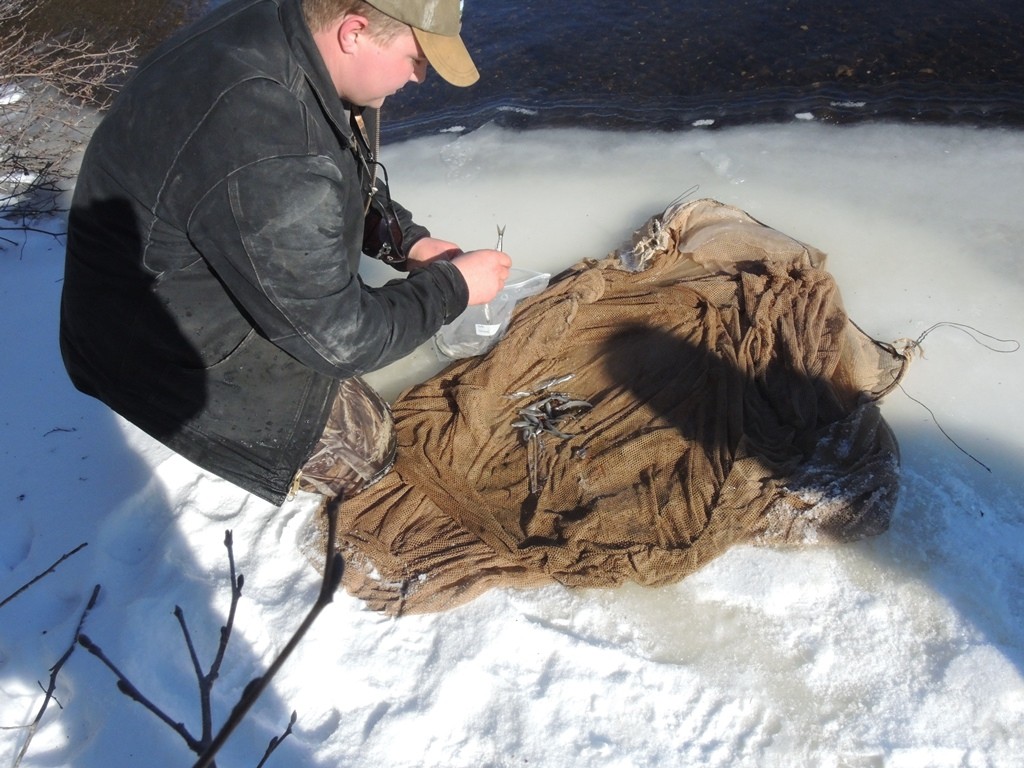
x=320, y=13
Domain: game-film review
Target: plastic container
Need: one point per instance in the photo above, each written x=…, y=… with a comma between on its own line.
x=478, y=328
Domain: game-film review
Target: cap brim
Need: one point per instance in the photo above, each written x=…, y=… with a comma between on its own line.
x=448, y=56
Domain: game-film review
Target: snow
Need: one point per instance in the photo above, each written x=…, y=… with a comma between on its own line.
x=903, y=650
x=10, y=94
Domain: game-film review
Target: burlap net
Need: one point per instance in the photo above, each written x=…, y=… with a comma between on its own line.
x=733, y=401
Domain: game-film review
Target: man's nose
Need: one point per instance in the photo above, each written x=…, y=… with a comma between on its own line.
x=419, y=72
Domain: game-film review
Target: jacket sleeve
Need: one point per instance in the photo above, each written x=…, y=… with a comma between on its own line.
x=284, y=236
x=412, y=232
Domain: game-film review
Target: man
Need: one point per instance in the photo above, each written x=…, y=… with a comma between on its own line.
x=211, y=293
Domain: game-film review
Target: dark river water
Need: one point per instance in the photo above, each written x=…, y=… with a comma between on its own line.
x=660, y=65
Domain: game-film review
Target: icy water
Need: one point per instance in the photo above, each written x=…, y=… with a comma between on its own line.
x=676, y=64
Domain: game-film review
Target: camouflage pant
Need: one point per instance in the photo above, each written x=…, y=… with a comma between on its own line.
x=357, y=447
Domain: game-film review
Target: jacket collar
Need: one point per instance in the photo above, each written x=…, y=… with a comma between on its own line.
x=304, y=49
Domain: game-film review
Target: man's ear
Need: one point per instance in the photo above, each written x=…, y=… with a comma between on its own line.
x=350, y=30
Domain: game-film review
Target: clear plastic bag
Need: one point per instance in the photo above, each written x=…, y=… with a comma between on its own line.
x=478, y=328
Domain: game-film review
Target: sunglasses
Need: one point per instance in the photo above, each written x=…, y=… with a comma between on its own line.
x=382, y=232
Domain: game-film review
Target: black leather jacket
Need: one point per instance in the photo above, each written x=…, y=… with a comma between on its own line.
x=211, y=293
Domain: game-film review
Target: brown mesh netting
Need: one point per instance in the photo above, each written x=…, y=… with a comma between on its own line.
x=718, y=395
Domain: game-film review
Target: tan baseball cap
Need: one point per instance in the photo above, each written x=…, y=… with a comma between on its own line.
x=436, y=24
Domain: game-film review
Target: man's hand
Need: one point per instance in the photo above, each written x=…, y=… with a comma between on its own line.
x=485, y=273
x=430, y=249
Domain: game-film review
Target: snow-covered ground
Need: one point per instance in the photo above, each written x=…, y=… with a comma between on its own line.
x=905, y=650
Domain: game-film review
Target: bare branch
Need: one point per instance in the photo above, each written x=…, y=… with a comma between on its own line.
x=276, y=741
x=236, y=593
x=204, y=680
x=54, y=671
x=45, y=573
x=47, y=87
x=205, y=746
x=180, y=616
x=334, y=568
x=128, y=689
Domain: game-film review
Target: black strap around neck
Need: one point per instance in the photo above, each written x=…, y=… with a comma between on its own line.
x=358, y=119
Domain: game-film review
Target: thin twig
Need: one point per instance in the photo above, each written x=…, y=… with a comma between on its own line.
x=204, y=690
x=47, y=80
x=206, y=680
x=236, y=592
x=276, y=741
x=128, y=689
x=208, y=746
x=334, y=568
x=54, y=671
x=28, y=228
x=45, y=573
